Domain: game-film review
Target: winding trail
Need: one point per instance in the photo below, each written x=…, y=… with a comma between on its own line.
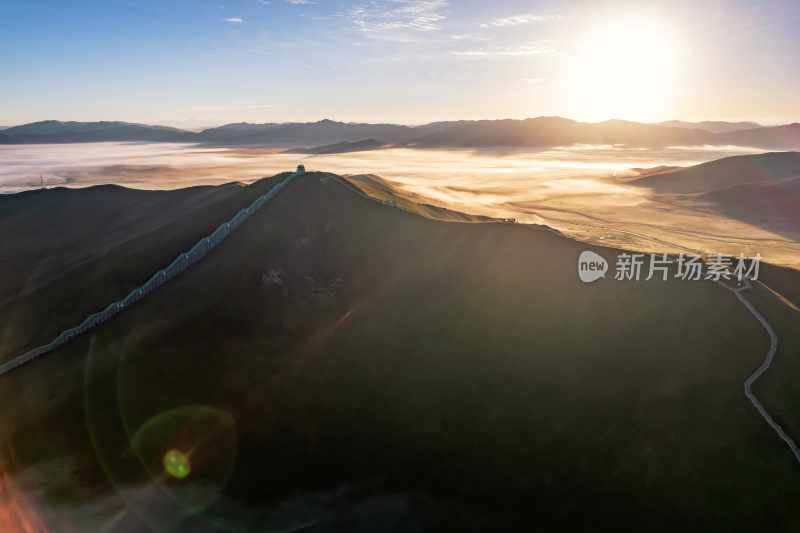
x=748, y=384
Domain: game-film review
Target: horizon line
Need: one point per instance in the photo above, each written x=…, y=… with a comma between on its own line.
x=216, y=124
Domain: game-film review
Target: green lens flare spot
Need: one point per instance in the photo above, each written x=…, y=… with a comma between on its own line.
x=188, y=454
x=177, y=464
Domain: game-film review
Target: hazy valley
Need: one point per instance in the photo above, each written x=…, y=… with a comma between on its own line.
x=587, y=191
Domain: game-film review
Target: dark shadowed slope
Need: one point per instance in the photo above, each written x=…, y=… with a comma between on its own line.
x=727, y=172
x=47, y=232
x=360, y=349
x=774, y=206
x=71, y=252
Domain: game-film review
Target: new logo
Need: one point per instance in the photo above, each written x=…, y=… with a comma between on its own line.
x=591, y=267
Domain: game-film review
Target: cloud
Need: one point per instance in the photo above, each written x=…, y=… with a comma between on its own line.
x=470, y=37
x=507, y=51
x=300, y=2
x=234, y=20
x=398, y=20
x=229, y=107
x=518, y=20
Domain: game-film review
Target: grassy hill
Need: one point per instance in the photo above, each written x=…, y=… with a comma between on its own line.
x=376, y=188
x=762, y=190
x=775, y=206
x=383, y=371
x=725, y=173
x=71, y=252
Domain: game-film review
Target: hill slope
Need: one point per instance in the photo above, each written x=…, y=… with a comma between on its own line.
x=785, y=137
x=725, y=173
x=463, y=366
x=775, y=206
x=340, y=148
x=73, y=251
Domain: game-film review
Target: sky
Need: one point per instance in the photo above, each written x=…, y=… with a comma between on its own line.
x=197, y=63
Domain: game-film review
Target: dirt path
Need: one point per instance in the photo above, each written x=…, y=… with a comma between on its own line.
x=748, y=384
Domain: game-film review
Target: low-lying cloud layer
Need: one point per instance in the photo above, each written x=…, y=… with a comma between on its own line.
x=584, y=191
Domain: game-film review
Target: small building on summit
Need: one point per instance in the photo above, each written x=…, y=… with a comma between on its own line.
x=301, y=169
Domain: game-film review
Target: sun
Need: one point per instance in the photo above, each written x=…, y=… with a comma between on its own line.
x=626, y=70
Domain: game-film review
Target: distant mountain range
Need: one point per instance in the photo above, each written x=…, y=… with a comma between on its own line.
x=553, y=131
x=319, y=133
x=530, y=133
x=53, y=131
x=779, y=137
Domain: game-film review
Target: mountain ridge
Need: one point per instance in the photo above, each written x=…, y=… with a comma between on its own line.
x=544, y=131
x=54, y=131
x=783, y=137
x=714, y=126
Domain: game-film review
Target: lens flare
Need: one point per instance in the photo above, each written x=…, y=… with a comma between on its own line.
x=201, y=444
x=177, y=464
